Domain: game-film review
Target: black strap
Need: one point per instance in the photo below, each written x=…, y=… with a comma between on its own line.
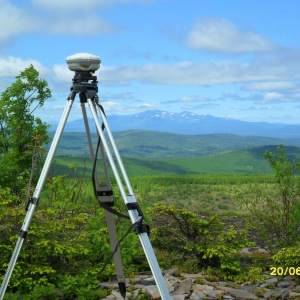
x=102, y=109
x=104, y=205
x=107, y=207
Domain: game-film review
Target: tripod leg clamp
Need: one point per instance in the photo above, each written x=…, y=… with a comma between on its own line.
x=134, y=206
x=23, y=234
x=106, y=197
x=31, y=200
x=139, y=226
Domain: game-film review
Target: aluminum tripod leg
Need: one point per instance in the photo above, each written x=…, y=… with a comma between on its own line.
x=34, y=200
x=129, y=200
x=111, y=226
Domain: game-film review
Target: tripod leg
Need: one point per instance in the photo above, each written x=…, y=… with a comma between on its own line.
x=33, y=201
x=111, y=226
x=130, y=202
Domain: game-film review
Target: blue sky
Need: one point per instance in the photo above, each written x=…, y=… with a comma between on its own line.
x=229, y=58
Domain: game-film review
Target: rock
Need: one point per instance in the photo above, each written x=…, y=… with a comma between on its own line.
x=178, y=297
x=172, y=280
x=117, y=295
x=147, y=281
x=222, y=283
x=109, y=284
x=294, y=295
x=249, y=288
x=215, y=294
x=289, y=278
x=186, y=285
x=228, y=297
x=152, y=290
x=271, y=280
x=279, y=294
x=239, y=294
x=202, y=287
x=297, y=288
x=170, y=272
x=170, y=286
x=248, y=250
x=285, y=284
x=110, y=297
x=194, y=276
x=179, y=291
x=197, y=294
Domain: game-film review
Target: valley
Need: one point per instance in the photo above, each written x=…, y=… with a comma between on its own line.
x=152, y=153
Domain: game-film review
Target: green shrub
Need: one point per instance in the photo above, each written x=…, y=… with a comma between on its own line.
x=65, y=247
x=191, y=236
x=288, y=257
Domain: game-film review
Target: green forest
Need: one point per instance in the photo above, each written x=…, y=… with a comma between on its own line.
x=204, y=202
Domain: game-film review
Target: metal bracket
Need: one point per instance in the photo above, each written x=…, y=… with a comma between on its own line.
x=105, y=194
x=141, y=227
x=31, y=200
x=134, y=206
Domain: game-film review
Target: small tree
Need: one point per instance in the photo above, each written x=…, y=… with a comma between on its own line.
x=275, y=213
x=21, y=133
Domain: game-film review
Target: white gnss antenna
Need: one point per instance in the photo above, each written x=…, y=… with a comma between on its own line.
x=83, y=62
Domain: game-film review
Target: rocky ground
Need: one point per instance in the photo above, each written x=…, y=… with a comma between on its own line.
x=195, y=286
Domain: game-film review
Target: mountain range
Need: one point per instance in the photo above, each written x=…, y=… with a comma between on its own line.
x=190, y=124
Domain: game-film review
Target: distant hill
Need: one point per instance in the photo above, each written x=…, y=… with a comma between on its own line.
x=151, y=144
x=190, y=124
x=248, y=161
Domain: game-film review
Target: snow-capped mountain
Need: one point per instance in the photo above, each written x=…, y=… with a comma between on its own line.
x=189, y=123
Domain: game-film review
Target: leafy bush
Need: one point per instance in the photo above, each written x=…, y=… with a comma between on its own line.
x=288, y=257
x=204, y=238
x=66, y=247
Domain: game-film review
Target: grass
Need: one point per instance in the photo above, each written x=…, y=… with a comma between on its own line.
x=201, y=192
x=211, y=183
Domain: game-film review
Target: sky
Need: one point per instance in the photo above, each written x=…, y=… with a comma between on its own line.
x=236, y=59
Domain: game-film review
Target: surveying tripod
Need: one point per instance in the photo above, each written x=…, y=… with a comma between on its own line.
x=85, y=85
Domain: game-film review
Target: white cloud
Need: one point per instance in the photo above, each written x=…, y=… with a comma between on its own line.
x=80, y=4
x=81, y=25
x=193, y=99
x=66, y=4
x=56, y=17
x=11, y=66
x=276, y=85
x=113, y=107
x=273, y=96
x=187, y=99
x=264, y=74
x=222, y=36
x=62, y=73
x=206, y=73
x=14, y=21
